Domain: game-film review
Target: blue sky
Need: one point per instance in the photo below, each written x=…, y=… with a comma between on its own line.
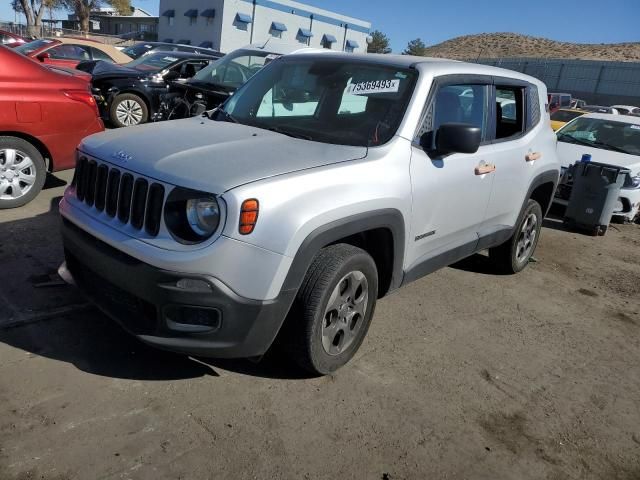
x=584, y=21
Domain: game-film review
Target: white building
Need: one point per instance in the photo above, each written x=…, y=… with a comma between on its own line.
x=226, y=25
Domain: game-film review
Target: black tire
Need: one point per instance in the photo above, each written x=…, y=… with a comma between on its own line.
x=505, y=257
x=39, y=169
x=132, y=99
x=304, y=335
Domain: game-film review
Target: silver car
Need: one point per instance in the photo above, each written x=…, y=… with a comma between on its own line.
x=324, y=183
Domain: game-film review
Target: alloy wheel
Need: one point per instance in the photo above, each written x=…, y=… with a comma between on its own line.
x=129, y=112
x=527, y=238
x=17, y=174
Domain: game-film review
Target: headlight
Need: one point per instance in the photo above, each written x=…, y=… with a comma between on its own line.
x=635, y=181
x=203, y=215
x=191, y=216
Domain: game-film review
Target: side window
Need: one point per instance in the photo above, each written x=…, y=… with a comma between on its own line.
x=70, y=52
x=509, y=111
x=100, y=55
x=533, y=107
x=458, y=104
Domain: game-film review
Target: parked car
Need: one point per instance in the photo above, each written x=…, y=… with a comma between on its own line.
x=143, y=48
x=214, y=84
x=41, y=123
x=202, y=235
x=130, y=94
x=599, y=109
x=576, y=103
x=614, y=140
x=68, y=52
x=564, y=115
x=626, y=109
x=559, y=100
x=10, y=40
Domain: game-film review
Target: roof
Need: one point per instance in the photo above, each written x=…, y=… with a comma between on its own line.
x=181, y=55
x=615, y=118
x=110, y=50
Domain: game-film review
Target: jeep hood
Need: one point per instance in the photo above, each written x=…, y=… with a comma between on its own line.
x=209, y=155
x=570, y=153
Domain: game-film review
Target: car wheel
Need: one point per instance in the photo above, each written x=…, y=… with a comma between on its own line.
x=514, y=254
x=333, y=309
x=22, y=172
x=128, y=110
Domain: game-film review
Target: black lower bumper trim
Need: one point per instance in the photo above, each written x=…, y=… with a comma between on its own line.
x=138, y=296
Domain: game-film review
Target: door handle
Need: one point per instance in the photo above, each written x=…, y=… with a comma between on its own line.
x=532, y=156
x=485, y=168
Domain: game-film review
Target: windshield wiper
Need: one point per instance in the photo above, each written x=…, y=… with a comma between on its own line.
x=225, y=115
x=572, y=139
x=611, y=147
x=289, y=134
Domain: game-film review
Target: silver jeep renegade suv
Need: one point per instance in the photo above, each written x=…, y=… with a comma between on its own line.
x=323, y=184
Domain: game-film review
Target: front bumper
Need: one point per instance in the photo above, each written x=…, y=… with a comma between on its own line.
x=148, y=302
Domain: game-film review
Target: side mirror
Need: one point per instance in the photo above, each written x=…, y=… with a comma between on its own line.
x=171, y=75
x=453, y=138
x=43, y=56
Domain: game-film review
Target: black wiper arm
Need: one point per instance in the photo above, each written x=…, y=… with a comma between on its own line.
x=225, y=115
x=611, y=147
x=289, y=134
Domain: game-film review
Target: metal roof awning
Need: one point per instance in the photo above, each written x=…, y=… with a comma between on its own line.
x=304, y=32
x=184, y=41
x=243, y=18
x=327, y=38
x=278, y=27
x=169, y=13
x=191, y=13
x=209, y=13
x=206, y=44
x=352, y=44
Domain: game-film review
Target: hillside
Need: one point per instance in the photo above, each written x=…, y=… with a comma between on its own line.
x=491, y=45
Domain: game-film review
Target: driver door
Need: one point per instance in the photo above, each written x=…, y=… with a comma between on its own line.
x=450, y=193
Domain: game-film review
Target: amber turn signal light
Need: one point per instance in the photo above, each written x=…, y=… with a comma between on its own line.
x=248, y=216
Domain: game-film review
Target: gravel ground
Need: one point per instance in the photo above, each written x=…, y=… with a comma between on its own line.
x=464, y=374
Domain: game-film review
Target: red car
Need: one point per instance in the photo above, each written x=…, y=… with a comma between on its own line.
x=44, y=113
x=10, y=40
x=69, y=51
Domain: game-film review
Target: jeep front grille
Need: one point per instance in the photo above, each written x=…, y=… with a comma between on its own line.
x=133, y=200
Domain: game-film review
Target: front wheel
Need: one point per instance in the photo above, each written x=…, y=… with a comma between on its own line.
x=128, y=110
x=333, y=309
x=514, y=254
x=22, y=172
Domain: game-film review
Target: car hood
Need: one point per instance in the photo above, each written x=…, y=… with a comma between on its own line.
x=101, y=70
x=569, y=153
x=209, y=155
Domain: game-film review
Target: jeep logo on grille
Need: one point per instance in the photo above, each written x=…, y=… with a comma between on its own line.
x=121, y=156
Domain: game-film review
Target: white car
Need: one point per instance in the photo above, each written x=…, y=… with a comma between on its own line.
x=627, y=109
x=614, y=140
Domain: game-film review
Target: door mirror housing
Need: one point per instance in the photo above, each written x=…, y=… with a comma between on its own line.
x=452, y=138
x=171, y=75
x=43, y=56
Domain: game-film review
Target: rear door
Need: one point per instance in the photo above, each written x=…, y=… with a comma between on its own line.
x=451, y=193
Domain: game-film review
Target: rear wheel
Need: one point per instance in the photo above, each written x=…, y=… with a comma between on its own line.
x=22, y=172
x=333, y=309
x=128, y=110
x=514, y=254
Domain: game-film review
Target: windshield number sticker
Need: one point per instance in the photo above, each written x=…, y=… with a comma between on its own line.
x=378, y=86
x=171, y=59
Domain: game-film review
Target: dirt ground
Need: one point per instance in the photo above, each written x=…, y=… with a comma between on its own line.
x=464, y=375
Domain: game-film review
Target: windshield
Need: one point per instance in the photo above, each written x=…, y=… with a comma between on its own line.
x=605, y=134
x=152, y=63
x=137, y=50
x=332, y=101
x=27, y=48
x=232, y=71
x=565, y=115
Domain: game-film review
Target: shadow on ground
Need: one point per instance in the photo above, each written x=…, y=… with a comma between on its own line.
x=84, y=337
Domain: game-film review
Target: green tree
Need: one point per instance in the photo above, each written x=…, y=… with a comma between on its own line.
x=416, y=47
x=379, y=43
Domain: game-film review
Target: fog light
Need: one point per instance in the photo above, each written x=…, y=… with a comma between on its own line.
x=193, y=285
x=192, y=319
